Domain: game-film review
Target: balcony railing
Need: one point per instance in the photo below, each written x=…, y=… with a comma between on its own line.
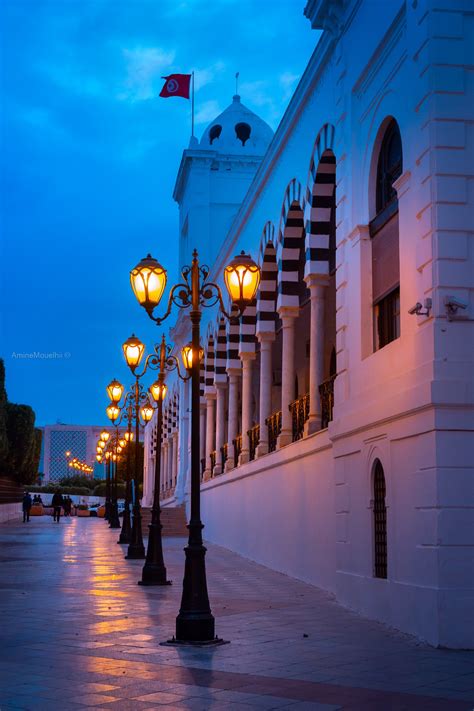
x=254, y=439
x=237, y=442
x=326, y=392
x=274, y=428
x=224, y=455
x=299, y=414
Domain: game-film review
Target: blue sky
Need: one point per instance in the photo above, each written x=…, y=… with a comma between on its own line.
x=89, y=159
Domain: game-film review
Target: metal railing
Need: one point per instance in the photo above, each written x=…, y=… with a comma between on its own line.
x=203, y=467
x=326, y=393
x=237, y=442
x=299, y=409
x=274, y=428
x=254, y=439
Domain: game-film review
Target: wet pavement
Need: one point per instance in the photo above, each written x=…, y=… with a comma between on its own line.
x=77, y=631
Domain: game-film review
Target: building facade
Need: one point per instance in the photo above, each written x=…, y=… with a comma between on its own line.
x=79, y=440
x=337, y=416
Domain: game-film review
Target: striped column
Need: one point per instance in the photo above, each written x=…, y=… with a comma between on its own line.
x=234, y=372
x=220, y=380
x=266, y=320
x=210, y=395
x=247, y=356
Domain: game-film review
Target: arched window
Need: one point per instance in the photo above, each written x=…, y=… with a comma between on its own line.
x=380, y=523
x=384, y=232
x=214, y=133
x=242, y=131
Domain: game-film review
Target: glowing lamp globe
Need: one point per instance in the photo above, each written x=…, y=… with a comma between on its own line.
x=129, y=436
x=133, y=350
x=112, y=412
x=158, y=391
x=146, y=413
x=148, y=280
x=104, y=435
x=114, y=391
x=122, y=442
x=242, y=277
x=187, y=356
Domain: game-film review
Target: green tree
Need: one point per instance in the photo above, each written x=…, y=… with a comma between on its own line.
x=3, y=421
x=22, y=443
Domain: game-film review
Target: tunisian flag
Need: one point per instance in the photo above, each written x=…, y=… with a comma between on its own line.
x=176, y=85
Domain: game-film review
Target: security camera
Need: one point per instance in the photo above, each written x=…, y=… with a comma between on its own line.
x=415, y=309
x=452, y=305
x=455, y=303
x=418, y=308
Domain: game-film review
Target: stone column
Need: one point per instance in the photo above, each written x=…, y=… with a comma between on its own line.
x=288, y=316
x=202, y=430
x=247, y=362
x=220, y=424
x=317, y=287
x=210, y=431
x=183, y=434
x=164, y=475
x=266, y=371
x=170, y=462
x=233, y=425
x=174, y=468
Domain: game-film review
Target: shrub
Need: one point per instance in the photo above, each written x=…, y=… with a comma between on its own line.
x=79, y=480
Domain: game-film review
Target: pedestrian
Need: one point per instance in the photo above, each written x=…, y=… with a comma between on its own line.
x=67, y=506
x=27, y=502
x=57, y=503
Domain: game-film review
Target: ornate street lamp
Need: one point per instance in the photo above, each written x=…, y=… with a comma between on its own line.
x=195, y=622
x=114, y=391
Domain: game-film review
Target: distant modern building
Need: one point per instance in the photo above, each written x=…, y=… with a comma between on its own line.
x=79, y=440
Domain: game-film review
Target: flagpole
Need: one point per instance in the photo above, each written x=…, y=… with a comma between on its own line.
x=192, y=105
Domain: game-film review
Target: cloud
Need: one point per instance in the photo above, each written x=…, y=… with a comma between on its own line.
x=207, y=111
x=206, y=75
x=288, y=81
x=145, y=67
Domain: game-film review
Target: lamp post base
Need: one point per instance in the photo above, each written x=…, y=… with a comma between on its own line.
x=154, y=571
x=173, y=642
x=126, y=532
x=195, y=621
x=114, y=520
x=136, y=549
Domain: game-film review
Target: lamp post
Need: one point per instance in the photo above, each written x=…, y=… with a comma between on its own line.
x=154, y=570
x=195, y=622
x=133, y=350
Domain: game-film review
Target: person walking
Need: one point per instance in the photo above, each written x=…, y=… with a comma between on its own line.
x=27, y=503
x=57, y=503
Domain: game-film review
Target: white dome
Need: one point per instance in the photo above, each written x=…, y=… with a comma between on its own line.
x=237, y=130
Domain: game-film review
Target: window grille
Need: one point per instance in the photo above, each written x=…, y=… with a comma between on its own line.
x=380, y=523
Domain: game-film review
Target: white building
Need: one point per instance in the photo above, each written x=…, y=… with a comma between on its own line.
x=348, y=390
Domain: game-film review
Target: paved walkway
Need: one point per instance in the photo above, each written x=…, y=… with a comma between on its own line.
x=77, y=631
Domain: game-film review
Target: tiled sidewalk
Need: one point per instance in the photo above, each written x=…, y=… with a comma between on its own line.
x=77, y=631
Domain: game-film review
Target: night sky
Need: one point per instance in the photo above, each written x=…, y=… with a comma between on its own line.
x=89, y=158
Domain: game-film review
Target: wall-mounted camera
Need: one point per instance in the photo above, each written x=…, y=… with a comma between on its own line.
x=418, y=308
x=452, y=305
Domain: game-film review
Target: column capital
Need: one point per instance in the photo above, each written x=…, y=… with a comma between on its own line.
x=266, y=336
x=288, y=312
x=234, y=371
x=221, y=384
x=210, y=395
x=246, y=356
x=316, y=281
